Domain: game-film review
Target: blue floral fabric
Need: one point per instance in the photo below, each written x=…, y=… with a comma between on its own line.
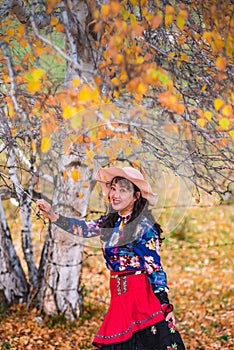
x=142, y=253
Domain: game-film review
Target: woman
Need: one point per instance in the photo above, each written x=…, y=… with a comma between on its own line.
x=140, y=316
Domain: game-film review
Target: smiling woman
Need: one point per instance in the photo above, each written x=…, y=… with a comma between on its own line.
x=122, y=195
x=140, y=316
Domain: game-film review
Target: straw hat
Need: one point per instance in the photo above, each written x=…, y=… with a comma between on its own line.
x=105, y=176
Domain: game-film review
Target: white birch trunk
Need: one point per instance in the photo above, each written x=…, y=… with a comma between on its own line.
x=25, y=204
x=13, y=283
x=61, y=265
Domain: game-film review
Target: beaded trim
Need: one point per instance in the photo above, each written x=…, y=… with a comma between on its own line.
x=129, y=328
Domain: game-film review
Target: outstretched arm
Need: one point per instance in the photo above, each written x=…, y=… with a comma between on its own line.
x=78, y=227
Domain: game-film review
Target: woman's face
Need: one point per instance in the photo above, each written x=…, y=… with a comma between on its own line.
x=122, y=196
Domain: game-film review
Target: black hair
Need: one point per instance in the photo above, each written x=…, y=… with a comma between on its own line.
x=140, y=209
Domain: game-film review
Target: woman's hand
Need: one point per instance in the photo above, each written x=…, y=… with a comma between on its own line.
x=171, y=317
x=46, y=209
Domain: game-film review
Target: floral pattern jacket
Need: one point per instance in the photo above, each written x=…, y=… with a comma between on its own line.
x=142, y=253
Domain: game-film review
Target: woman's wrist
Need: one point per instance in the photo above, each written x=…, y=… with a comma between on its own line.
x=53, y=216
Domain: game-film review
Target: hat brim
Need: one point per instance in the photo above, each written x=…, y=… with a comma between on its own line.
x=105, y=176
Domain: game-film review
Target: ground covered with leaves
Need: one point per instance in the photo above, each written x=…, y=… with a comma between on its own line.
x=198, y=259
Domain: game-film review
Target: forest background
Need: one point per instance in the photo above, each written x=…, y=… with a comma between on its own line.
x=86, y=84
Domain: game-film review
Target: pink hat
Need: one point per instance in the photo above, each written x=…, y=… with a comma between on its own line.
x=105, y=176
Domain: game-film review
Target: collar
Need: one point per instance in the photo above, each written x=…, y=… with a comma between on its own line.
x=125, y=218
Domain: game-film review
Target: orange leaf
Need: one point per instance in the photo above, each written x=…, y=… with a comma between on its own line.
x=75, y=174
x=221, y=63
x=227, y=111
x=60, y=28
x=64, y=175
x=54, y=20
x=156, y=21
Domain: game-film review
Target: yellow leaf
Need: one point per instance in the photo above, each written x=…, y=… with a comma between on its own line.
x=21, y=29
x=45, y=144
x=181, y=18
x=141, y=88
x=119, y=59
x=128, y=151
x=10, y=32
x=69, y=111
x=218, y=42
x=207, y=36
x=105, y=10
x=201, y=122
x=140, y=60
x=133, y=19
x=37, y=73
x=76, y=81
x=136, y=140
x=75, y=174
x=85, y=93
x=218, y=103
x=34, y=85
x=168, y=19
x=203, y=88
x=34, y=146
x=23, y=42
x=90, y=154
x=208, y=115
x=116, y=93
x=224, y=123
x=232, y=134
x=184, y=57
x=11, y=110
x=221, y=63
x=115, y=81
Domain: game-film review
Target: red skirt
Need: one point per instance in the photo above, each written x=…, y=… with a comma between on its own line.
x=133, y=307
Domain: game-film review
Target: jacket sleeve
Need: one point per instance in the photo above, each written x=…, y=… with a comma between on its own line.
x=147, y=247
x=82, y=228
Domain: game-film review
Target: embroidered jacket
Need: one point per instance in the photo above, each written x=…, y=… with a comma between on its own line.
x=141, y=253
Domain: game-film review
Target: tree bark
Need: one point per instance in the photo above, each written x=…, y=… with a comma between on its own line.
x=61, y=263
x=13, y=283
x=24, y=202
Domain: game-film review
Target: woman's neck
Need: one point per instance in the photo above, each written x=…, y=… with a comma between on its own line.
x=123, y=214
